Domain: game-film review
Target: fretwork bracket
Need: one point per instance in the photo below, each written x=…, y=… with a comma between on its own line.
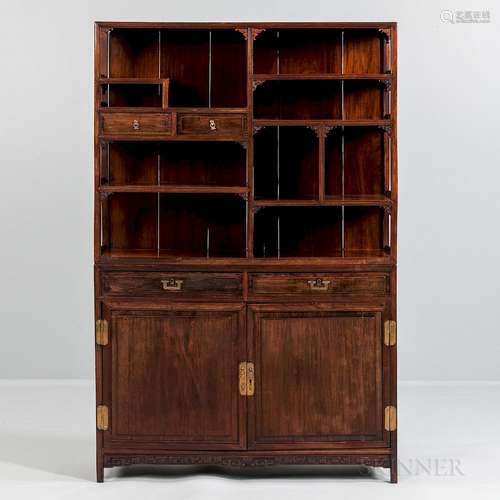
x=256, y=32
x=243, y=31
x=386, y=128
x=330, y=129
x=105, y=194
x=386, y=83
x=386, y=33
x=256, y=83
x=315, y=129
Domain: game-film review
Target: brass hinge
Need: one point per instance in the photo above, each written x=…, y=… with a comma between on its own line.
x=101, y=332
x=102, y=418
x=390, y=418
x=246, y=372
x=390, y=333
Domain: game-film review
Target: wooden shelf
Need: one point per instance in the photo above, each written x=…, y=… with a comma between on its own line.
x=122, y=109
x=331, y=201
x=321, y=76
x=174, y=189
x=352, y=257
x=326, y=123
x=138, y=81
x=169, y=137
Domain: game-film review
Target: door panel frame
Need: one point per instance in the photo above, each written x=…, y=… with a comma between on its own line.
x=114, y=308
x=256, y=310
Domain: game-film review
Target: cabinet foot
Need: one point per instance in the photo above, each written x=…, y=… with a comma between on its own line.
x=394, y=470
x=99, y=470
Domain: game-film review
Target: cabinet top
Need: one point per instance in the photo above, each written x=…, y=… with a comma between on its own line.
x=127, y=24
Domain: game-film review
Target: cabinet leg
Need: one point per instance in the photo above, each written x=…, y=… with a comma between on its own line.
x=99, y=470
x=394, y=470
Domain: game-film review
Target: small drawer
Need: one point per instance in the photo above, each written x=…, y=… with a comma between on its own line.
x=173, y=285
x=319, y=286
x=211, y=124
x=136, y=123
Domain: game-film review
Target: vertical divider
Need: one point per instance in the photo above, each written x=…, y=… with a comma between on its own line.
x=210, y=69
x=279, y=236
x=322, y=162
x=164, y=88
x=342, y=56
x=250, y=132
x=386, y=230
x=158, y=204
x=278, y=225
x=387, y=162
x=108, y=54
x=387, y=49
x=393, y=158
x=278, y=162
x=105, y=225
x=159, y=53
x=343, y=192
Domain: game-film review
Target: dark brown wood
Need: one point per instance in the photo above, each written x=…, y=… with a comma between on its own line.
x=286, y=163
x=246, y=211
x=184, y=59
x=298, y=287
x=136, y=123
x=194, y=286
x=250, y=458
x=211, y=124
x=228, y=88
x=319, y=378
x=170, y=377
x=211, y=163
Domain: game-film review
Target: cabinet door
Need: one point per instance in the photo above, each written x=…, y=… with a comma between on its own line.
x=320, y=380
x=170, y=376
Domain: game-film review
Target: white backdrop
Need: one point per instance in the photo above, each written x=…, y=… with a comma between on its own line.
x=449, y=233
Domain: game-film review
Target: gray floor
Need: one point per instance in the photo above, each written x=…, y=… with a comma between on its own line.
x=449, y=448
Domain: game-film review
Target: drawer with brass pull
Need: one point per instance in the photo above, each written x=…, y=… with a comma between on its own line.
x=317, y=285
x=213, y=124
x=136, y=123
x=173, y=285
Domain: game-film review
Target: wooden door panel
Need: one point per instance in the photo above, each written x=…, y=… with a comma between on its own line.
x=172, y=378
x=319, y=378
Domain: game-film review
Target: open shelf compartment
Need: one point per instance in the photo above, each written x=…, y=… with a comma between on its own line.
x=282, y=232
x=206, y=68
x=298, y=99
x=203, y=164
x=286, y=163
x=289, y=51
x=357, y=163
x=364, y=99
x=176, y=225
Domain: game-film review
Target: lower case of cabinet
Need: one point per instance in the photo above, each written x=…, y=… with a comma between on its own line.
x=371, y=458
x=170, y=385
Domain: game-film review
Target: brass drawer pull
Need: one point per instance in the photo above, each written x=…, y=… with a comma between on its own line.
x=172, y=285
x=136, y=125
x=319, y=284
x=212, y=125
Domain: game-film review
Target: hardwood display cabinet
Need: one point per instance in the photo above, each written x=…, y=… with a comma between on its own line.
x=245, y=244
